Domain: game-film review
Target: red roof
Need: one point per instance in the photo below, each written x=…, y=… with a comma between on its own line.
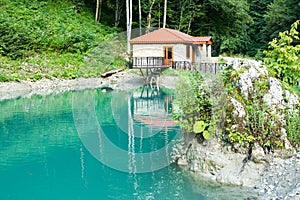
x=170, y=36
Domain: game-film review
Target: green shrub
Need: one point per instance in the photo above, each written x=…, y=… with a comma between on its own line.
x=259, y=124
x=195, y=105
x=4, y=78
x=50, y=39
x=36, y=76
x=283, y=58
x=293, y=127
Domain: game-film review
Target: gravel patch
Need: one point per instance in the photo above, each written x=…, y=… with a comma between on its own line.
x=281, y=180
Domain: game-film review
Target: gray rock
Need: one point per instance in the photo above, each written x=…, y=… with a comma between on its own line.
x=239, y=110
x=258, y=155
x=274, y=96
x=218, y=163
x=182, y=162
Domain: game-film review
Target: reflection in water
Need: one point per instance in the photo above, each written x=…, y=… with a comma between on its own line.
x=152, y=106
x=148, y=108
x=131, y=150
x=139, y=147
x=42, y=157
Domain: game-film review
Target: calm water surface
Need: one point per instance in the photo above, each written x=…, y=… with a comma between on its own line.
x=44, y=154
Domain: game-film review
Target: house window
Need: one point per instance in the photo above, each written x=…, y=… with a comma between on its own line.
x=188, y=53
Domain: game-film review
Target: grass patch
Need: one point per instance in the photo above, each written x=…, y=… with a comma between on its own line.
x=53, y=39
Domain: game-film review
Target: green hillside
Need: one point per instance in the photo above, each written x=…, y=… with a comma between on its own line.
x=48, y=39
x=60, y=38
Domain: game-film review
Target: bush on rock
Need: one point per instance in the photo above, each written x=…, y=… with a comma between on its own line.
x=242, y=106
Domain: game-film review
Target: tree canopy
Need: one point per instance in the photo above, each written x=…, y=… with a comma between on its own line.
x=237, y=26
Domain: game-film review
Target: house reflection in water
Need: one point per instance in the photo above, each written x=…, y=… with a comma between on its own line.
x=152, y=106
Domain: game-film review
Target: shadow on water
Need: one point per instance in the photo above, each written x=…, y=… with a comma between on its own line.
x=42, y=155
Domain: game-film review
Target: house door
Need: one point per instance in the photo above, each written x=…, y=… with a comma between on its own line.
x=168, y=56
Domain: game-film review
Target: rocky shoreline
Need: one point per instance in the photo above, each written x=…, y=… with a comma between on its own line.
x=120, y=81
x=264, y=176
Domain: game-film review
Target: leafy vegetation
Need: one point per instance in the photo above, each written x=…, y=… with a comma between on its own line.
x=35, y=26
x=50, y=39
x=197, y=110
x=43, y=30
x=280, y=14
x=214, y=107
x=258, y=123
x=293, y=128
x=283, y=58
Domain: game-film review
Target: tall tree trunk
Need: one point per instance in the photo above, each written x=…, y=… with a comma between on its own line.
x=182, y=9
x=159, y=16
x=98, y=10
x=149, y=17
x=118, y=12
x=190, y=22
x=127, y=25
x=129, y=22
x=165, y=14
x=193, y=13
x=140, y=17
x=130, y=16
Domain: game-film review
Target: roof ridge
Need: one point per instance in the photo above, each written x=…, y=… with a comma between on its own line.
x=172, y=31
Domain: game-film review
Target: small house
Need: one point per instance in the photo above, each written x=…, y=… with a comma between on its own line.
x=168, y=47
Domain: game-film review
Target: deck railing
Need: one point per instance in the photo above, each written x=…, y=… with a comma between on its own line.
x=158, y=63
x=212, y=68
x=146, y=62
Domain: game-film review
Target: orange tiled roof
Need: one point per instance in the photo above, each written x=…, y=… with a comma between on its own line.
x=170, y=36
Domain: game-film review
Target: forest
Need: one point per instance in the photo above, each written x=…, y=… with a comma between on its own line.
x=238, y=26
x=51, y=38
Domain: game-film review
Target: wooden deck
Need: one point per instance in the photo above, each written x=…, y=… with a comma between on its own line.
x=212, y=68
x=156, y=64
x=148, y=63
x=153, y=66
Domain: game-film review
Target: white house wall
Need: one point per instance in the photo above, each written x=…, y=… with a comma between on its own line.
x=156, y=50
x=205, y=53
x=180, y=52
x=147, y=50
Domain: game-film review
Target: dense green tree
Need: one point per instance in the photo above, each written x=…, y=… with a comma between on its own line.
x=225, y=20
x=283, y=58
x=257, y=11
x=280, y=15
x=237, y=26
x=190, y=11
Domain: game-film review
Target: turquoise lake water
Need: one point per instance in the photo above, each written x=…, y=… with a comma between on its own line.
x=94, y=145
